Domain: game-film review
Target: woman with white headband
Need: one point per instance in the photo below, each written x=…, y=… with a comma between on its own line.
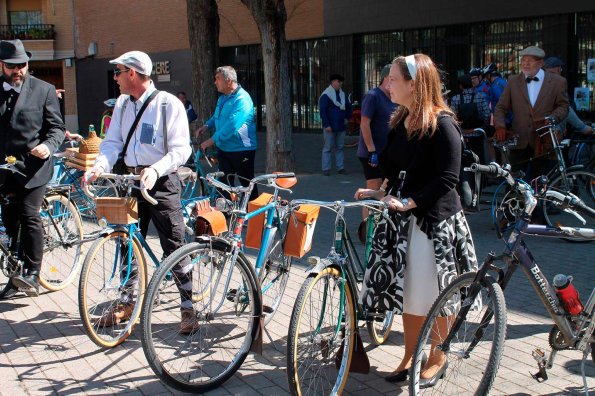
x=409, y=267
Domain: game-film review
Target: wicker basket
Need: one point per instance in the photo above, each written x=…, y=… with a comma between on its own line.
x=117, y=210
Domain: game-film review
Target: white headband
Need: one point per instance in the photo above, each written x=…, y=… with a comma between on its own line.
x=410, y=60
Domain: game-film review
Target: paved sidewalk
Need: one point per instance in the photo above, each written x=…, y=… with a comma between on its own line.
x=45, y=350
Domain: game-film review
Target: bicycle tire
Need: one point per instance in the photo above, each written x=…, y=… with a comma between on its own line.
x=274, y=274
x=351, y=139
x=161, y=318
x=102, y=261
x=61, y=260
x=582, y=184
x=5, y=284
x=380, y=330
x=323, y=350
x=483, y=360
x=507, y=206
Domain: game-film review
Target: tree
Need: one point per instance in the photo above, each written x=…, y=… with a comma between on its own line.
x=270, y=17
x=203, y=34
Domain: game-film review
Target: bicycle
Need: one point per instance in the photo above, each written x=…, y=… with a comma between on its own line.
x=232, y=299
x=575, y=179
x=323, y=338
x=109, y=281
x=353, y=130
x=195, y=185
x=63, y=237
x=467, y=322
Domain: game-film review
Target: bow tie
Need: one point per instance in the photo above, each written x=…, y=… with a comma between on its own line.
x=529, y=79
x=7, y=87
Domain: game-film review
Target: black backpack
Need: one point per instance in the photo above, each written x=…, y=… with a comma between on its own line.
x=468, y=113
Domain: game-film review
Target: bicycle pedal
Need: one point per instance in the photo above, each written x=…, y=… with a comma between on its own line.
x=30, y=292
x=231, y=295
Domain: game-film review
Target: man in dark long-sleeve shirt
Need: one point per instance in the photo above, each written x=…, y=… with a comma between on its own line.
x=335, y=111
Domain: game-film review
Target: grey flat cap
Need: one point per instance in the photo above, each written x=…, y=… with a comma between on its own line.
x=533, y=51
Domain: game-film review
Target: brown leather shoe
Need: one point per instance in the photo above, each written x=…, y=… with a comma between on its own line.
x=189, y=324
x=117, y=314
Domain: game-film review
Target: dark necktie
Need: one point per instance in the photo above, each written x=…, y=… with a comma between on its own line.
x=529, y=79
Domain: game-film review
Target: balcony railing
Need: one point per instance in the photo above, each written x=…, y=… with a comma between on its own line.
x=27, y=32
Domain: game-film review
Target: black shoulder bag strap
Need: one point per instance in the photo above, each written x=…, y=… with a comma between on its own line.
x=163, y=116
x=136, y=121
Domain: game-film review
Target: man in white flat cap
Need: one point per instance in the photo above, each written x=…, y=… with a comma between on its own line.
x=137, y=134
x=531, y=96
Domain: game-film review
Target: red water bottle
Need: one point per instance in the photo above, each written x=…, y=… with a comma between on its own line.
x=567, y=294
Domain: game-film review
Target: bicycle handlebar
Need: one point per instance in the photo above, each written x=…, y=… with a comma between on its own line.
x=570, y=203
x=118, y=178
x=372, y=204
x=212, y=179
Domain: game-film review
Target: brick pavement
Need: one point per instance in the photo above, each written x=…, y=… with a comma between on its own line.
x=45, y=350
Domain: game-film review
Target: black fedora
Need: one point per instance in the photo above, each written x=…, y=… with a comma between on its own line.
x=13, y=51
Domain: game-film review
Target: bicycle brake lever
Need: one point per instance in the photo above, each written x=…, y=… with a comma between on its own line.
x=575, y=214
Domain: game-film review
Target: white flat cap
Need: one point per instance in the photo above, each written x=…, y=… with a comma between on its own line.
x=135, y=60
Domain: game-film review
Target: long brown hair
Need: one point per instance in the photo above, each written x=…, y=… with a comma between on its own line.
x=428, y=101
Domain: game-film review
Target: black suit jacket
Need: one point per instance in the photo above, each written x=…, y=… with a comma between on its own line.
x=36, y=119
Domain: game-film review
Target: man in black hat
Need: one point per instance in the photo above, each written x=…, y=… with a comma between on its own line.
x=31, y=129
x=335, y=111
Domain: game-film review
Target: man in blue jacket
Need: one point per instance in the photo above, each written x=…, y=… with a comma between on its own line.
x=234, y=128
x=335, y=111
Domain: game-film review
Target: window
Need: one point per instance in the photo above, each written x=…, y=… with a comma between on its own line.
x=24, y=18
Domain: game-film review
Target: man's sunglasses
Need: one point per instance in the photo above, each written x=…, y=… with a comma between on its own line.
x=15, y=65
x=118, y=71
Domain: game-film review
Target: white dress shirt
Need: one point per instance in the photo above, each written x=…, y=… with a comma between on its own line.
x=534, y=87
x=147, y=153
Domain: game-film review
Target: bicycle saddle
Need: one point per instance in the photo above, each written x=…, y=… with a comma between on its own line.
x=286, y=182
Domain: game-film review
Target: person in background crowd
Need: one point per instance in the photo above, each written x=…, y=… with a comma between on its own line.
x=106, y=117
x=432, y=241
x=156, y=162
x=234, y=128
x=531, y=96
x=31, y=129
x=335, y=111
x=555, y=65
x=479, y=84
x=470, y=107
x=188, y=106
x=377, y=108
x=496, y=84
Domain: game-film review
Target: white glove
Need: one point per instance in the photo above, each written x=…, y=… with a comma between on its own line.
x=148, y=178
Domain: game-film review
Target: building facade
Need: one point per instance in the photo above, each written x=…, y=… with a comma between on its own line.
x=46, y=28
x=351, y=37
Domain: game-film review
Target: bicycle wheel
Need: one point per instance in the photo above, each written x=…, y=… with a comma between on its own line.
x=580, y=183
x=379, y=327
x=475, y=349
x=111, y=295
x=274, y=274
x=5, y=286
x=352, y=138
x=62, y=227
x=228, y=318
x=507, y=205
x=322, y=324
x=583, y=154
